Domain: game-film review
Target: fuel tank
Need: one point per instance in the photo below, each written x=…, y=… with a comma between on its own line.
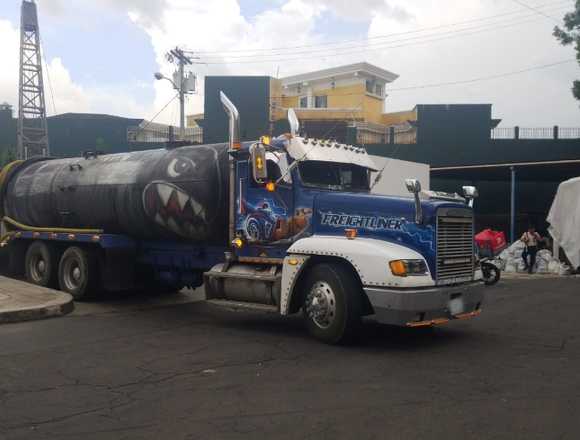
x=156, y=194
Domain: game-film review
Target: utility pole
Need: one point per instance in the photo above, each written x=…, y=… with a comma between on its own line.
x=182, y=83
x=32, y=130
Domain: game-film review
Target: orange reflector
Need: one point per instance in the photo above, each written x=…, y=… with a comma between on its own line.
x=292, y=261
x=350, y=233
x=468, y=315
x=270, y=186
x=236, y=145
x=259, y=163
x=398, y=268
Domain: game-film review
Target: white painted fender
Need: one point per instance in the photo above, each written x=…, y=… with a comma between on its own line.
x=369, y=257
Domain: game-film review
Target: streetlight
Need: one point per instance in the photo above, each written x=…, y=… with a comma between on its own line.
x=159, y=76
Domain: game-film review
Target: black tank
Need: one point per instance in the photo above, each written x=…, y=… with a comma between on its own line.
x=180, y=193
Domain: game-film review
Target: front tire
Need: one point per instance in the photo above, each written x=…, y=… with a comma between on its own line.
x=78, y=273
x=40, y=264
x=332, y=303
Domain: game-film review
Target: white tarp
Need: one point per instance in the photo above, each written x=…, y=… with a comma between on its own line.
x=564, y=219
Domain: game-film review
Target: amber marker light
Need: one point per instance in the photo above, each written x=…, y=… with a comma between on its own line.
x=265, y=140
x=259, y=163
x=238, y=242
x=236, y=145
x=398, y=268
x=270, y=186
x=350, y=233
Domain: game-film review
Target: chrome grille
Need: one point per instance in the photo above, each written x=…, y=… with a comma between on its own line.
x=454, y=249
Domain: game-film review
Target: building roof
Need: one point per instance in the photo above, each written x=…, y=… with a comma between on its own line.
x=349, y=69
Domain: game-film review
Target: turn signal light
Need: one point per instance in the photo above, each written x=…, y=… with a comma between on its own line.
x=238, y=242
x=270, y=186
x=265, y=140
x=398, y=268
x=350, y=233
x=236, y=145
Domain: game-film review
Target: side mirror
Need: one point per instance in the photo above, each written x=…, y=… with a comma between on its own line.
x=470, y=193
x=414, y=186
x=258, y=157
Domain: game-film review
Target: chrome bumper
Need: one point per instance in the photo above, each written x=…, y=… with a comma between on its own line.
x=424, y=307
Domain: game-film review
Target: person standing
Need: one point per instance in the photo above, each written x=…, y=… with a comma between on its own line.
x=530, y=239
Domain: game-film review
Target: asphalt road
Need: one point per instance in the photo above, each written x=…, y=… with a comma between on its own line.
x=128, y=370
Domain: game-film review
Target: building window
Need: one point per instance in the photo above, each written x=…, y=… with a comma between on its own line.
x=370, y=84
x=321, y=101
x=304, y=102
x=379, y=89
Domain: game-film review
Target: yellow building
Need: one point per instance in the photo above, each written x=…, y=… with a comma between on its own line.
x=355, y=92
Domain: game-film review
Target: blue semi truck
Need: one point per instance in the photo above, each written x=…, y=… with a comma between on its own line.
x=286, y=224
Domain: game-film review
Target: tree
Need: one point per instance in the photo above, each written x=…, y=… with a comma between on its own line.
x=571, y=35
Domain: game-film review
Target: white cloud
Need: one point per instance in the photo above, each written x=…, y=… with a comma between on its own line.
x=69, y=96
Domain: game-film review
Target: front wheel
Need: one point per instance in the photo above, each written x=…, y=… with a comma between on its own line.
x=491, y=274
x=333, y=303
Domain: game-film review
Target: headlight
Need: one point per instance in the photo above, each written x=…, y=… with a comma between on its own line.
x=403, y=268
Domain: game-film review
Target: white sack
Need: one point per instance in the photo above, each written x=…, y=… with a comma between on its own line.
x=564, y=219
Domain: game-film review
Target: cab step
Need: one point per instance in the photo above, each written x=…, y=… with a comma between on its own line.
x=238, y=305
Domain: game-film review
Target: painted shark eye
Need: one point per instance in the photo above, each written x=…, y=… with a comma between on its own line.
x=179, y=166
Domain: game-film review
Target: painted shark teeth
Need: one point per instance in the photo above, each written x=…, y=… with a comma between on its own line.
x=165, y=193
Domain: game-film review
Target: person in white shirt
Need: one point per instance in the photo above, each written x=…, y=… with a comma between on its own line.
x=531, y=239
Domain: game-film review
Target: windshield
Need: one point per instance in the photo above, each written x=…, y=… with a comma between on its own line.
x=334, y=176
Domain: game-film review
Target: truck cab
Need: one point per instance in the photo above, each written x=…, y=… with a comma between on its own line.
x=307, y=234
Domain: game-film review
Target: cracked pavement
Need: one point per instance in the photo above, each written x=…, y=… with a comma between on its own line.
x=195, y=371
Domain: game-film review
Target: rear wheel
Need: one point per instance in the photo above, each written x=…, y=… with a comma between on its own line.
x=491, y=274
x=333, y=303
x=78, y=273
x=40, y=264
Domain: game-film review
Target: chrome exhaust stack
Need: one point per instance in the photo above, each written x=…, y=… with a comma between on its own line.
x=234, y=117
x=235, y=145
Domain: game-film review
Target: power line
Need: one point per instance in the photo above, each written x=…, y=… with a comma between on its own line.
x=536, y=10
x=150, y=121
x=465, y=81
x=378, y=37
x=382, y=46
x=484, y=78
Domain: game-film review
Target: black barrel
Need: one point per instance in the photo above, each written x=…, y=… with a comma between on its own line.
x=180, y=193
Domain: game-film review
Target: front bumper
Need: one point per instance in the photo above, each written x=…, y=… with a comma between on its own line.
x=428, y=306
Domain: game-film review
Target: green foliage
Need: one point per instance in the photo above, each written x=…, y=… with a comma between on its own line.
x=570, y=35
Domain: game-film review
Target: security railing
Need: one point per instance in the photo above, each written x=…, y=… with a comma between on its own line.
x=157, y=133
x=555, y=132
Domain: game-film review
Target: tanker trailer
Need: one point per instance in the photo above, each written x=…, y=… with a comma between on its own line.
x=285, y=225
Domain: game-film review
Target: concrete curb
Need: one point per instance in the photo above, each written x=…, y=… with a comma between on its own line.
x=20, y=301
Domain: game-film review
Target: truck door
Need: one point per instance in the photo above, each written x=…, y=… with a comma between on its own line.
x=265, y=211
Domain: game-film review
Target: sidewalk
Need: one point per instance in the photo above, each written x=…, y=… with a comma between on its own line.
x=20, y=301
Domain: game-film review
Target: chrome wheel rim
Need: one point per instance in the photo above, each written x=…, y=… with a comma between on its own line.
x=37, y=268
x=321, y=304
x=72, y=275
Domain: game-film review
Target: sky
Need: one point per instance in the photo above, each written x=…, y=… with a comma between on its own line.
x=101, y=55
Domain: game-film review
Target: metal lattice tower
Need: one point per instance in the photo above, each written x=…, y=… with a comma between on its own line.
x=32, y=127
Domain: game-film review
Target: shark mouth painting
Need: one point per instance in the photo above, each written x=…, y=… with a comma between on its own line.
x=173, y=209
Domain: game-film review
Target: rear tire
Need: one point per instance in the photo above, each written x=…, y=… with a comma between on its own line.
x=78, y=273
x=491, y=274
x=40, y=264
x=332, y=303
